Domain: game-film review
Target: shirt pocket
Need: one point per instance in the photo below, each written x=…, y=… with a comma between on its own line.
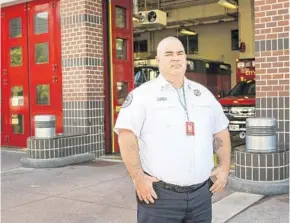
x=201, y=115
x=166, y=115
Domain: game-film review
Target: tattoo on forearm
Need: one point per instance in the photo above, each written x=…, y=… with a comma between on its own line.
x=217, y=143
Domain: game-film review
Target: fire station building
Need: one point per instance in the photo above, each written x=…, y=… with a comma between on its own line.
x=74, y=60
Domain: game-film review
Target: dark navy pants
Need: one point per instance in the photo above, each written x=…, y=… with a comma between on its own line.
x=175, y=207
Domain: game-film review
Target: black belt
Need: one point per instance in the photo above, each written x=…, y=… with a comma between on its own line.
x=177, y=188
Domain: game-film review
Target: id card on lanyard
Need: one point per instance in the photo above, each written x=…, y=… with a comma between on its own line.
x=189, y=125
x=189, y=128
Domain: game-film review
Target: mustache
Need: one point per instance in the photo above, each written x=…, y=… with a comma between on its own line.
x=178, y=65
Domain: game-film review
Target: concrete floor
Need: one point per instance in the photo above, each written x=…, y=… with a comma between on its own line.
x=98, y=191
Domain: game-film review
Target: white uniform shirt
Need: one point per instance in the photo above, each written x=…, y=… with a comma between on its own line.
x=153, y=112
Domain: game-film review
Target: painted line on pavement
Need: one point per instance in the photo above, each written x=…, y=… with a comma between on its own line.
x=110, y=160
x=232, y=205
x=16, y=170
x=22, y=151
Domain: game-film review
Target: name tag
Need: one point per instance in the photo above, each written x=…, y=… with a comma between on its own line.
x=161, y=99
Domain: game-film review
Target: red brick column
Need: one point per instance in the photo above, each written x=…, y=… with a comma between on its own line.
x=82, y=69
x=272, y=64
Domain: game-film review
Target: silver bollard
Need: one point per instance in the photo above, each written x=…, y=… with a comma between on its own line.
x=261, y=134
x=44, y=126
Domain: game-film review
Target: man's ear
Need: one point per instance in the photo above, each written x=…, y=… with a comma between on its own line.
x=157, y=59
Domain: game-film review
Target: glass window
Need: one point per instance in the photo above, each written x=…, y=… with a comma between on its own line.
x=122, y=92
x=244, y=89
x=183, y=40
x=17, y=123
x=16, y=56
x=140, y=46
x=41, y=53
x=41, y=23
x=144, y=74
x=17, y=96
x=190, y=43
x=15, y=27
x=190, y=65
x=43, y=94
x=121, y=49
x=120, y=17
x=212, y=68
x=225, y=69
x=235, y=39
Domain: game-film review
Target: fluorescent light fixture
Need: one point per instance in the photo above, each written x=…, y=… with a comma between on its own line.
x=135, y=20
x=228, y=4
x=187, y=31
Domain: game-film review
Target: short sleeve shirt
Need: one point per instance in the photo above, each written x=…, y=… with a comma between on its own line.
x=154, y=113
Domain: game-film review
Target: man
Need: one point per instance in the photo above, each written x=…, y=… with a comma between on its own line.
x=167, y=129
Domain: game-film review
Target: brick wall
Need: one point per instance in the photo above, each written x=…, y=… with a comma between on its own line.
x=82, y=51
x=272, y=64
x=82, y=69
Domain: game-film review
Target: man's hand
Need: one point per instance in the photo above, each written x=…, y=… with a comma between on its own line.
x=144, y=188
x=130, y=155
x=221, y=177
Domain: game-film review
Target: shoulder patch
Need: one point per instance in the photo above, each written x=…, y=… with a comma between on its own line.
x=127, y=101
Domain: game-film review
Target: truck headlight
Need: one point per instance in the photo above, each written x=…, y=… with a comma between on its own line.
x=242, y=111
x=234, y=110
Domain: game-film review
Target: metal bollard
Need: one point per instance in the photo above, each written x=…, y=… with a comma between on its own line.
x=261, y=134
x=44, y=126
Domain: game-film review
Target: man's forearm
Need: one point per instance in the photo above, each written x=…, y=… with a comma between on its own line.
x=222, y=147
x=130, y=155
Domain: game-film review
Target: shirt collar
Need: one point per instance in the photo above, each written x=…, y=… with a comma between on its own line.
x=166, y=84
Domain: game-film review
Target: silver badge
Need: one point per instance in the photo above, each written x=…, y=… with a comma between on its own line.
x=197, y=92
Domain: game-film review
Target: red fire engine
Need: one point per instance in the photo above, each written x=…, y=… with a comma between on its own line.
x=214, y=75
x=239, y=103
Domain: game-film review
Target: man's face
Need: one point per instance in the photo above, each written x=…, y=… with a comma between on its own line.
x=171, y=58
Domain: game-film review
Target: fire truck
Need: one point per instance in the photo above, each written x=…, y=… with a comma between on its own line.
x=239, y=103
x=214, y=75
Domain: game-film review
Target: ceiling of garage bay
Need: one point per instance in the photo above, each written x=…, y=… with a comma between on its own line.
x=170, y=4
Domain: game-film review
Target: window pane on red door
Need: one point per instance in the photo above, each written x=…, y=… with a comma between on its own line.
x=120, y=17
x=17, y=122
x=16, y=56
x=17, y=96
x=41, y=53
x=43, y=94
x=41, y=23
x=122, y=91
x=15, y=28
x=121, y=49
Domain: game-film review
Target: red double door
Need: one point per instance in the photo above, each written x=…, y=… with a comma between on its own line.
x=31, y=82
x=121, y=57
